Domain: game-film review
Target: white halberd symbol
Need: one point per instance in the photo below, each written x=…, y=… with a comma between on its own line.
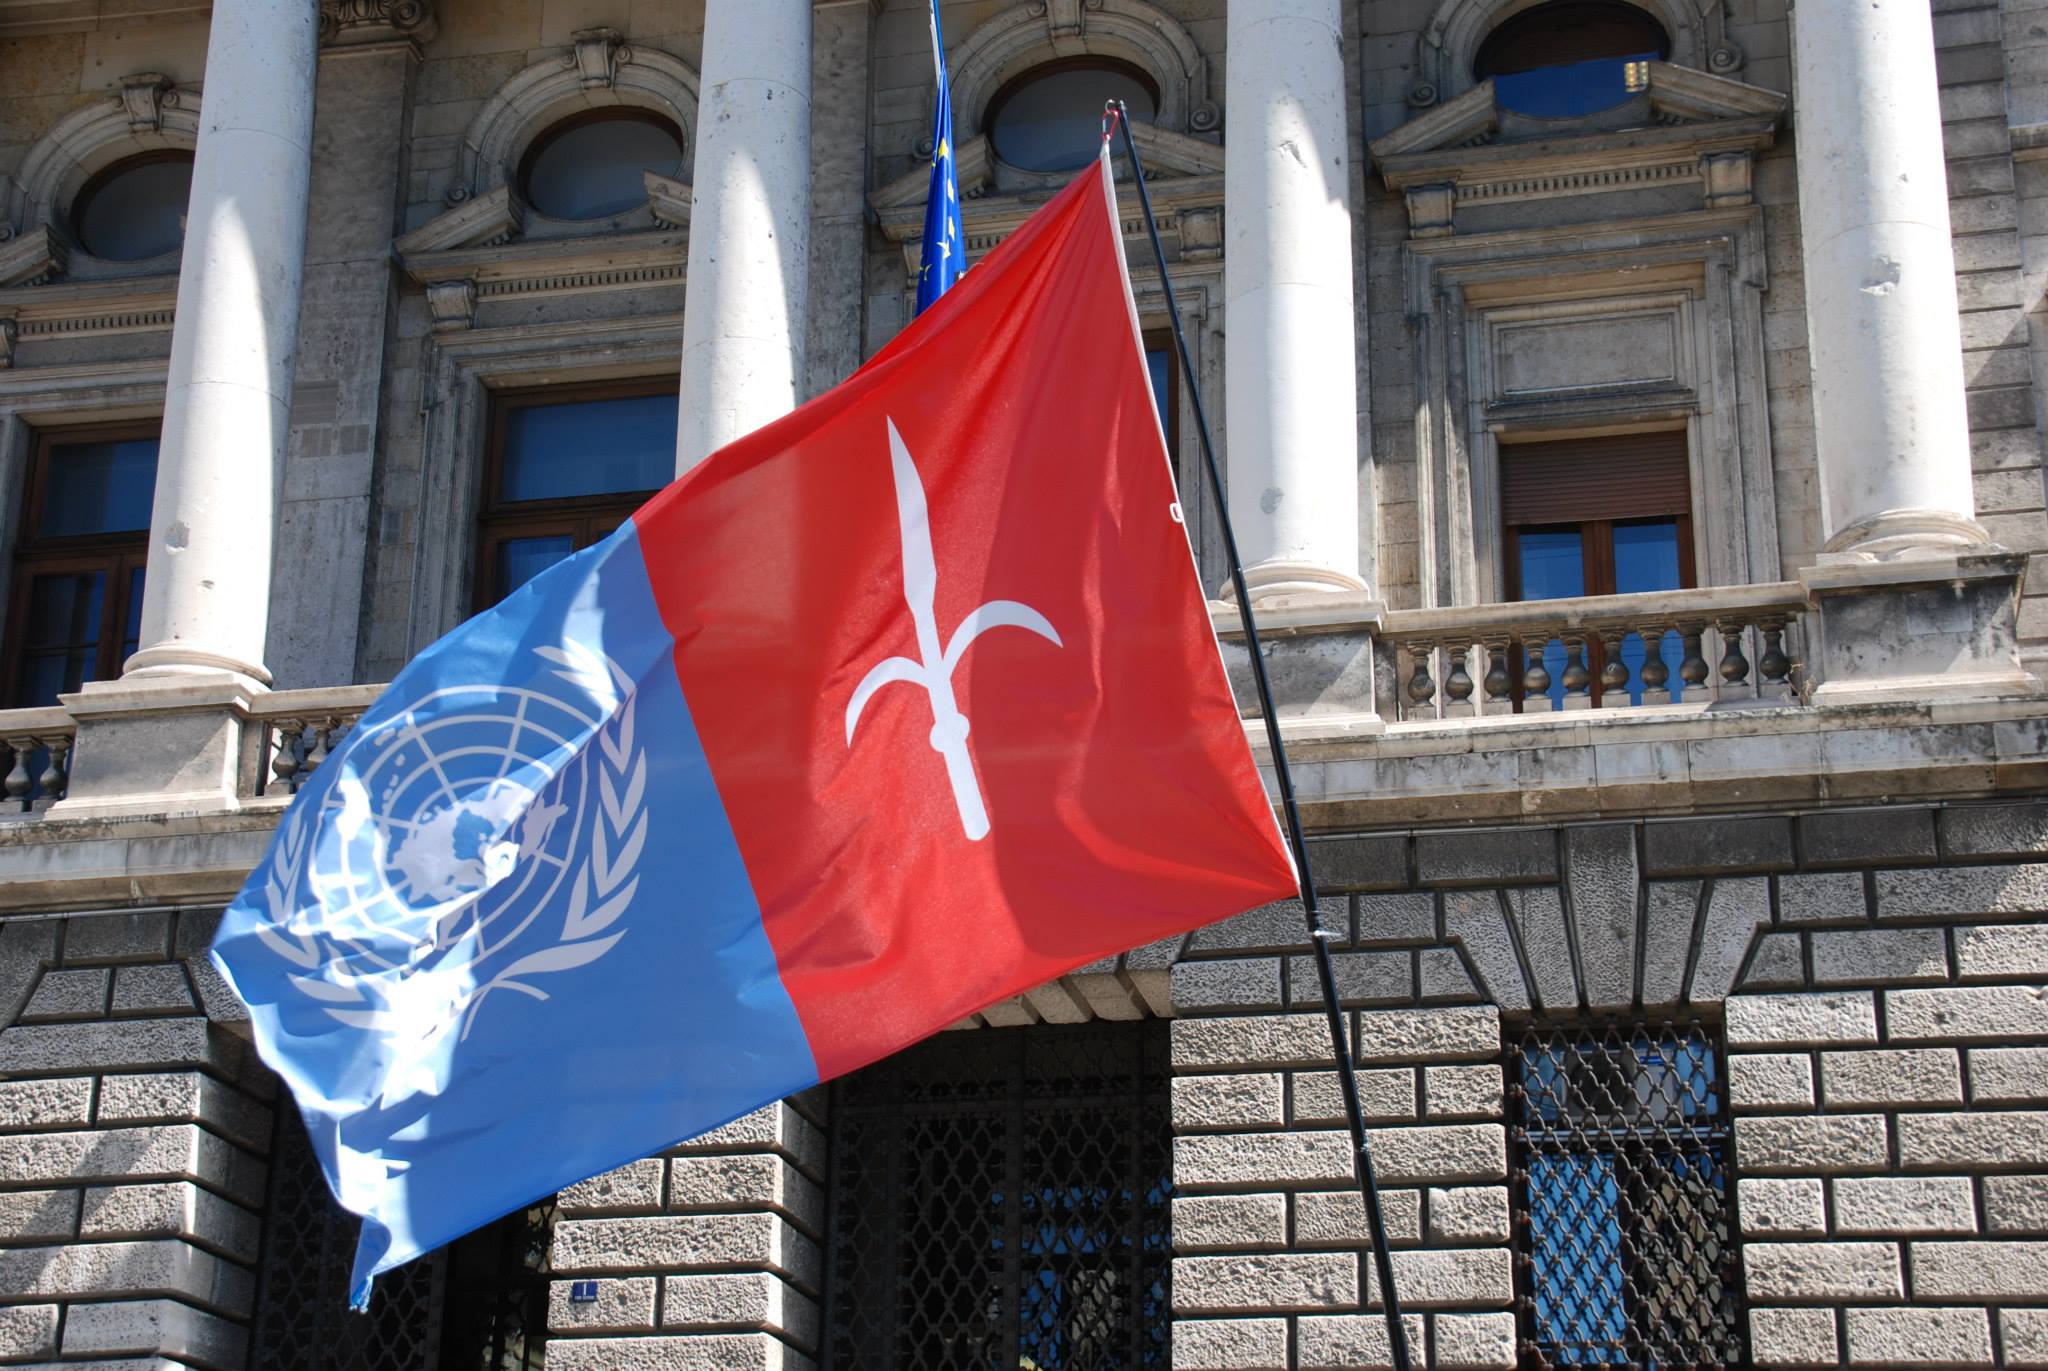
x=934, y=674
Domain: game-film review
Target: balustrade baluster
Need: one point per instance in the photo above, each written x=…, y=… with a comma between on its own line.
x=1496, y=684
x=1655, y=673
x=1458, y=684
x=1578, y=679
x=284, y=761
x=18, y=780
x=1535, y=676
x=1692, y=668
x=56, y=777
x=323, y=733
x=1774, y=664
x=1421, y=689
x=1734, y=666
x=1614, y=671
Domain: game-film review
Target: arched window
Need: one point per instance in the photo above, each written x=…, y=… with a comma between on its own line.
x=591, y=166
x=1050, y=118
x=1571, y=57
x=135, y=209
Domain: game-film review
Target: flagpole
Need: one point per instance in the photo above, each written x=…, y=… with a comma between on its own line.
x=1347, y=1076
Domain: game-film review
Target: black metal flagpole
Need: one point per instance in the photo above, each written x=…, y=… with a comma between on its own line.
x=1347, y=1076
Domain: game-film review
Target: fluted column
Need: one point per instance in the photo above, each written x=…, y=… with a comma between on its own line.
x=1888, y=409
x=743, y=314
x=1290, y=372
x=206, y=601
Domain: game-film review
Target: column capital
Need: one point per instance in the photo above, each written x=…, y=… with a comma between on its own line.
x=351, y=23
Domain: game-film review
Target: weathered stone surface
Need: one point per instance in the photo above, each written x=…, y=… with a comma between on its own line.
x=1468, y=1214
x=1737, y=908
x=1441, y=977
x=28, y=1330
x=1803, y=1145
x=1476, y=1341
x=778, y=1127
x=1776, y=962
x=38, y=1213
x=1994, y=1271
x=170, y=1209
x=1991, y=1140
x=1261, y=1160
x=691, y=1352
x=1252, y=1100
x=1792, y=1337
x=1891, y=1076
x=171, y=1269
x=1602, y=878
x=1279, y=927
x=1449, y=1152
x=1824, y=898
x=1473, y=919
x=1996, y=951
x=150, y=1327
x=1782, y=1208
x=1462, y=1092
x=69, y=995
x=1444, y=1033
x=1326, y=1342
x=1546, y=943
x=1241, y=1223
x=736, y=1300
x=1709, y=847
x=1997, y=1013
x=186, y=1097
x=1371, y=863
x=1766, y=1081
x=1904, y=1206
x=160, y=989
x=636, y=1187
x=1258, y=1040
x=1437, y=1278
x=2019, y=830
x=766, y=1241
x=1879, y=956
x=2024, y=1335
x=1336, y=1218
x=137, y=1045
x=63, y=1103
x=1386, y=1094
x=1668, y=921
x=1810, y=1020
x=624, y=1304
x=1919, y=1337
x=1388, y=919
x=1362, y=978
x=169, y=1152
x=1866, y=836
x=1822, y=1271
x=2016, y=1204
x=117, y=938
x=717, y=1184
x=1267, y=1282
x=1240, y=983
x=1486, y=856
x=1964, y=890
x=1230, y=1345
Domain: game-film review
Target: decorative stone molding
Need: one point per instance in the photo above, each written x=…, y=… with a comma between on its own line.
x=1451, y=39
x=144, y=113
x=1023, y=36
x=669, y=199
x=486, y=221
x=350, y=23
x=598, y=70
x=32, y=258
x=546, y=266
x=7, y=335
x=452, y=304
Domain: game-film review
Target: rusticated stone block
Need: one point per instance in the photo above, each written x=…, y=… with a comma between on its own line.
x=186, y=1097
x=1997, y=1272
x=2009, y=1075
x=1988, y=1141
x=1806, y=1145
x=1867, y=836
x=2024, y=1335
x=690, y=1352
x=1891, y=1076
x=1375, y=863
x=1232, y=1223
x=1362, y=978
x=1794, y=1208
x=1792, y=1337
x=1446, y=1033
x=117, y=938
x=1836, y=1017
x=1230, y=1345
x=1469, y=1214
x=1336, y=1218
x=1262, y=1161
x=1257, y=1040
x=1962, y=1013
x=171, y=1269
x=2019, y=830
x=132, y=1045
x=1239, y=983
x=778, y=1127
x=681, y=1243
x=1898, y=1206
x=38, y=1214
x=1409, y=918
x=1501, y=856
x=1279, y=927
x=624, y=1304
x=28, y=1330
x=1386, y=1094
x=635, y=1188
x=1444, y=1152
x=1251, y=1100
x=1919, y=1337
x=1879, y=956
x=62, y=1103
x=170, y=1209
x=1775, y=963
x=171, y=1152
x=1462, y=1092
x=160, y=989
x=69, y=995
x=1776, y=1080
x=1738, y=907
x=1454, y=1277
x=1808, y=1271
x=1833, y=897
x=1273, y=1282
x=1998, y=951
x=1482, y=1342
x=1326, y=1342
x=1602, y=875
x=2016, y=1204
x=150, y=1327
x=735, y=1300
x=1962, y=890
x=1711, y=847
x=759, y=1181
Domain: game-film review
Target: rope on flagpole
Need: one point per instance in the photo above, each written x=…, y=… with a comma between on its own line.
x=1116, y=117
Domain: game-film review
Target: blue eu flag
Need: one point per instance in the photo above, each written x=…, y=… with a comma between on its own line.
x=945, y=246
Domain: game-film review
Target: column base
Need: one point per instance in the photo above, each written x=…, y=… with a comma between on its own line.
x=1319, y=661
x=187, y=661
x=1905, y=535
x=155, y=745
x=1278, y=579
x=1920, y=629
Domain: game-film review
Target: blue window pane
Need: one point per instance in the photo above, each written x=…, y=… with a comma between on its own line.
x=1158, y=362
x=1574, y=88
x=60, y=649
x=522, y=559
x=1053, y=122
x=1553, y=566
x=99, y=488
x=589, y=447
x=131, y=632
x=1646, y=559
x=1575, y=1226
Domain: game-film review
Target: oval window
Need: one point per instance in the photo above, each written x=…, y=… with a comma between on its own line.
x=1050, y=118
x=1571, y=57
x=591, y=166
x=135, y=209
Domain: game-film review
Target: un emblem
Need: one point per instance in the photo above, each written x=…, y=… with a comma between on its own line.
x=479, y=838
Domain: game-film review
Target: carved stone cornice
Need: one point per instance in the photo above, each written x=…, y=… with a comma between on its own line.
x=458, y=280
x=352, y=23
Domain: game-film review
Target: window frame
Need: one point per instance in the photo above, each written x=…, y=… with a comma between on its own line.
x=119, y=555
x=600, y=114
x=585, y=519
x=1081, y=61
x=74, y=213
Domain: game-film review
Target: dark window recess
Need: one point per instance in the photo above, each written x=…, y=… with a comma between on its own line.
x=1624, y=1221
x=1571, y=57
x=1000, y=1198
x=1598, y=516
x=564, y=468
x=1162, y=366
x=76, y=604
x=1050, y=118
x=135, y=209
x=593, y=165
x=309, y=1243
x=494, y=1314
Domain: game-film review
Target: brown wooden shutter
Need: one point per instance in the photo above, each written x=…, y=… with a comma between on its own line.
x=1622, y=476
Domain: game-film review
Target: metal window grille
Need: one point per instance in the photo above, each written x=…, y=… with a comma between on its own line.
x=1624, y=1227
x=1000, y=1200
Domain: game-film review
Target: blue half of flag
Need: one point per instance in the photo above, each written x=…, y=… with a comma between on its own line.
x=944, y=254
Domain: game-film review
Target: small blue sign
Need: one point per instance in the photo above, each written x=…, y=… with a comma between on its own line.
x=583, y=1292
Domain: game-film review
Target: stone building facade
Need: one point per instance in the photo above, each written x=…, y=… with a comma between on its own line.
x=1633, y=412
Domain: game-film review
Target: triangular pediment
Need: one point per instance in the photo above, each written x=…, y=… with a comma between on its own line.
x=1676, y=95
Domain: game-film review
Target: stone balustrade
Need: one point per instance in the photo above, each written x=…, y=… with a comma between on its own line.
x=37, y=758
x=1733, y=643
x=298, y=729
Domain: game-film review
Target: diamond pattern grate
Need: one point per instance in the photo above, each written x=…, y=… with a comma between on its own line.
x=1625, y=1253
x=1000, y=1200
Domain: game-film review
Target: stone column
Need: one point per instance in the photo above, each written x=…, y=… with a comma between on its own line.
x=743, y=315
x=1290, y=375
x=206, y=603
x=1888, y=409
